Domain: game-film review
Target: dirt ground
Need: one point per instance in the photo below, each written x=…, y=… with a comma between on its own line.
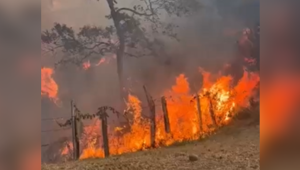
x=235, y=147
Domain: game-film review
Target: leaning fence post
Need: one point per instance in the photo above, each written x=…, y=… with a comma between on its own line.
x=105, y=134
x=199, y=113
x=166, y=114
x=152, y=117
x=74, y=133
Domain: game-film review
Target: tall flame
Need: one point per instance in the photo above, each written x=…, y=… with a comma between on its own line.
x=218, y=97
x=49, y=87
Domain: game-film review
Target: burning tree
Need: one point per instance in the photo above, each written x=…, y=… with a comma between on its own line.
x=132, y=33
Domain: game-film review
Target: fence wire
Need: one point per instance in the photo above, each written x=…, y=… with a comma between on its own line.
x=157, y=103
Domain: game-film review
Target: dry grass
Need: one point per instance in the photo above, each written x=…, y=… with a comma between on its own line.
x=234, y=147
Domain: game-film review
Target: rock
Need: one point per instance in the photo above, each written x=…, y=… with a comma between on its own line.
x=193, y=158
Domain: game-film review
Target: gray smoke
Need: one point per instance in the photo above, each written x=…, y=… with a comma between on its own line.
x=20, y=80
x=207, y=40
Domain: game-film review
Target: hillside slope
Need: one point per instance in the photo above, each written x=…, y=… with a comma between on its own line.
x=232, y=148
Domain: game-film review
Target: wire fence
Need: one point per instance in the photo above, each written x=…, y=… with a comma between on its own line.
x=151, y=106
x=57, y=129
x=54, y=130
x=102, y=115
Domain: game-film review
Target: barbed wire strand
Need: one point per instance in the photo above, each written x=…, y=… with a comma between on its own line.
x=156, y=102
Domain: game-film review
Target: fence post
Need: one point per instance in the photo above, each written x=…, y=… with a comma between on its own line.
x=152, y=117
x=212, y=113
x=166, y=114
x=105, y=134
x=199, y=113
x=74, y=133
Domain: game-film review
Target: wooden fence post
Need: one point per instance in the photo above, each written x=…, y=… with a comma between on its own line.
x=76, y=151
x=166, y=114
x=151, y=105
x=212, y=113
x=199, y=113
x=105, y=134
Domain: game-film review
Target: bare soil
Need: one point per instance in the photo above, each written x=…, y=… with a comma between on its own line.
x=235, y=147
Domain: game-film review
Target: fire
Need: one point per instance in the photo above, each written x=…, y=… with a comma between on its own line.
x=137, y=138
x=49, y=87
x=219, y=102
x=250, y=60
x=86, y=65
x=101, y=61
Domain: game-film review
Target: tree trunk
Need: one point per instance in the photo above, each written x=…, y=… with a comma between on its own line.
x=116, y=19
x=120, y=70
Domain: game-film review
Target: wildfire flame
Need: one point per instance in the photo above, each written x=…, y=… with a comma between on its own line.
x=86, y=65
x=49, y=87
x=216, y=96
x=101, y=61
x=219, y=102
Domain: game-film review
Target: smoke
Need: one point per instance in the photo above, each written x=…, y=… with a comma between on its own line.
x=19, y=102
x=207, y=40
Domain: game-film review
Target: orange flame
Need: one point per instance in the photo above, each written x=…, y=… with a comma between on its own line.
x=49, y=87
x=101, y=61
x=219, y=97
x=86, y=65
